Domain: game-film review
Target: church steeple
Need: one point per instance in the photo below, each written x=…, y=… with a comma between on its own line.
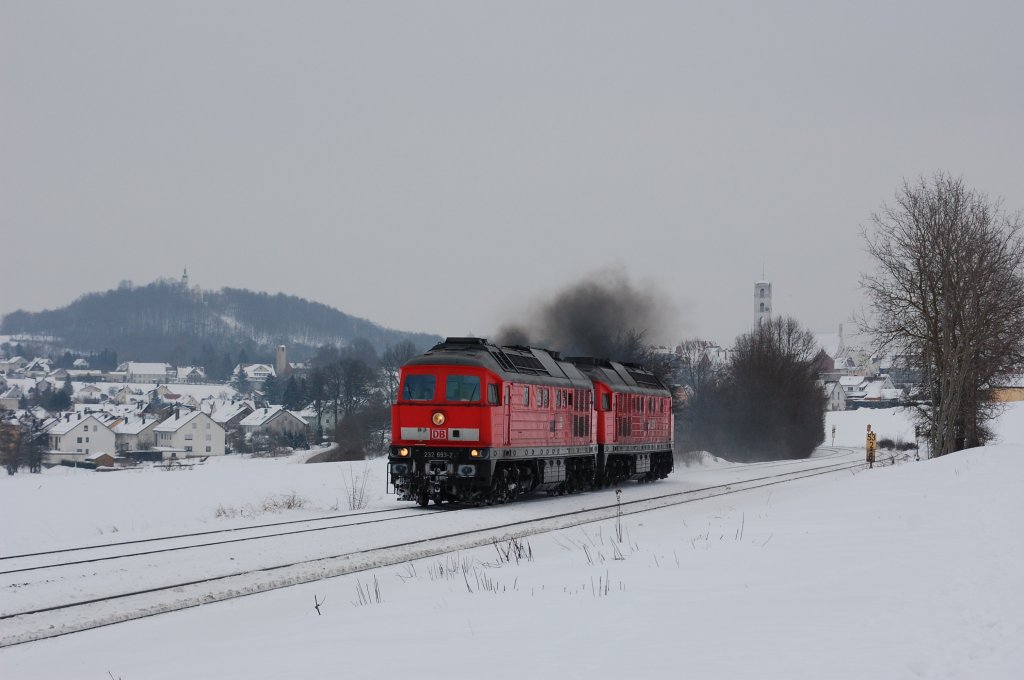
x=184, y=277
x=762, y=300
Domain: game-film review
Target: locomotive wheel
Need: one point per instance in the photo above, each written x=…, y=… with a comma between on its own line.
x=499, y=487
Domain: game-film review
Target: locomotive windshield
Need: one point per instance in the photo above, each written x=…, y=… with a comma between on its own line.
x=462, y=388
x=419, y=387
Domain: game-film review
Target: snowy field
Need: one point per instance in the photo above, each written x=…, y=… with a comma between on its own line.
x=910, y=571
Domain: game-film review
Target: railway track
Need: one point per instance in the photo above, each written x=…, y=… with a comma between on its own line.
x=179, y=541
x=85, y=613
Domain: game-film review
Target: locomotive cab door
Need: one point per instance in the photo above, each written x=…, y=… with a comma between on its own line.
x=507, y=409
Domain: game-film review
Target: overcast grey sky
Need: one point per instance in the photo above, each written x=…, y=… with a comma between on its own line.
x=437, y=166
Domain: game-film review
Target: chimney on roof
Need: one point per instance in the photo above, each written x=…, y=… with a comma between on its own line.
x=176, y=413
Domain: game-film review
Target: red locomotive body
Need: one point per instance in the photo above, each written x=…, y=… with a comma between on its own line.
x=476, y=422
x=635, y=424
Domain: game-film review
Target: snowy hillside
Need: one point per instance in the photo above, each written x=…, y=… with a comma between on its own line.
x=907, y=571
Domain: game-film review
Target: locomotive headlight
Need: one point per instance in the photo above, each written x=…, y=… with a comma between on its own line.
x=474, y=454
x=438, y=418
x=403, y=452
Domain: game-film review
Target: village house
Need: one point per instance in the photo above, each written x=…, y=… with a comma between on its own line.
x=256, y=374
x=274, y=420
x=126, y=395
x=190, y=374
x=76, y=435
x=835, y=396
x=193, y=434
x=37, y=368
x=228, y=414
x=10, y=398
x=137, y=372
x=13, y=365
x=89, y=394
x=135, y=433
x=870, y=391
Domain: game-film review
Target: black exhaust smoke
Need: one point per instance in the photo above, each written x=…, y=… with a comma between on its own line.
x=604, y=315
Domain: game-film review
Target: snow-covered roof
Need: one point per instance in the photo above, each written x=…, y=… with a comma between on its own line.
x=225, y=411
x=851, y=380
x=264, y=415
x=66, y=424
x=135, y=425
x=175, y=423
x=258, y=371
x=261, y=416
x=147, y=369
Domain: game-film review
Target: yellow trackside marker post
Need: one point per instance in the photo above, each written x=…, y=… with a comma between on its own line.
x=872, y=443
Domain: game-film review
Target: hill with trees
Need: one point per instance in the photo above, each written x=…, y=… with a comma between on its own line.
x=167, y=321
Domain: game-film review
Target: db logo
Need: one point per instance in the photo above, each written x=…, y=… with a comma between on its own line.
x=438, y=434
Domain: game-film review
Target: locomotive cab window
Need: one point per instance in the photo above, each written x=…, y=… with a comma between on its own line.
x=419, y=387
x=606, y=402
x=492, y=394
x=462, y=388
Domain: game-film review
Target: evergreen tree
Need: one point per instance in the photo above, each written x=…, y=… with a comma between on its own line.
x=241, y=382
x=292, y=396
x=56, y=400
x=272, y=390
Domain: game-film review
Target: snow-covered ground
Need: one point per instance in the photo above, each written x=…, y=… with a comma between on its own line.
x=910, y=571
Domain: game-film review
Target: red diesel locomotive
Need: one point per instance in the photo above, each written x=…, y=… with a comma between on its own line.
x=481, y=423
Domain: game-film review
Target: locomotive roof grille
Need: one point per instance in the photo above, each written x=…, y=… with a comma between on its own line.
x=645, y=378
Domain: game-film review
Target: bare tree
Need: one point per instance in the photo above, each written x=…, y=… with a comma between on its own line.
x=10, y=437
x=948, y=293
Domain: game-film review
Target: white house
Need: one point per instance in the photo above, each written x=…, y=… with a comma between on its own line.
x=76, y=434
x=136, y=372
x=193, y=434
x=274, y=420
x=190, y=374
x=13, y=364
x=136, y=433
x=864, y=389
x=228, y=413
x=10, y=398
x=126, y=395
x=37, y=368
x=89, y=394
x=257, y=374
x=835, y=395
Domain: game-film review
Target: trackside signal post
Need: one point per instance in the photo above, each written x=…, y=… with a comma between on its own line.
x=871, y=445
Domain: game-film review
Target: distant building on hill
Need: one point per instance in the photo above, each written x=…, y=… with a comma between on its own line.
x=762, y=300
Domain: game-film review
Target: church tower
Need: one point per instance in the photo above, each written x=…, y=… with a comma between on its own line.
x=762, y=300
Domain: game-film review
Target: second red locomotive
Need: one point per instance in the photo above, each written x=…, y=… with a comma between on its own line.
x=481, y=423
